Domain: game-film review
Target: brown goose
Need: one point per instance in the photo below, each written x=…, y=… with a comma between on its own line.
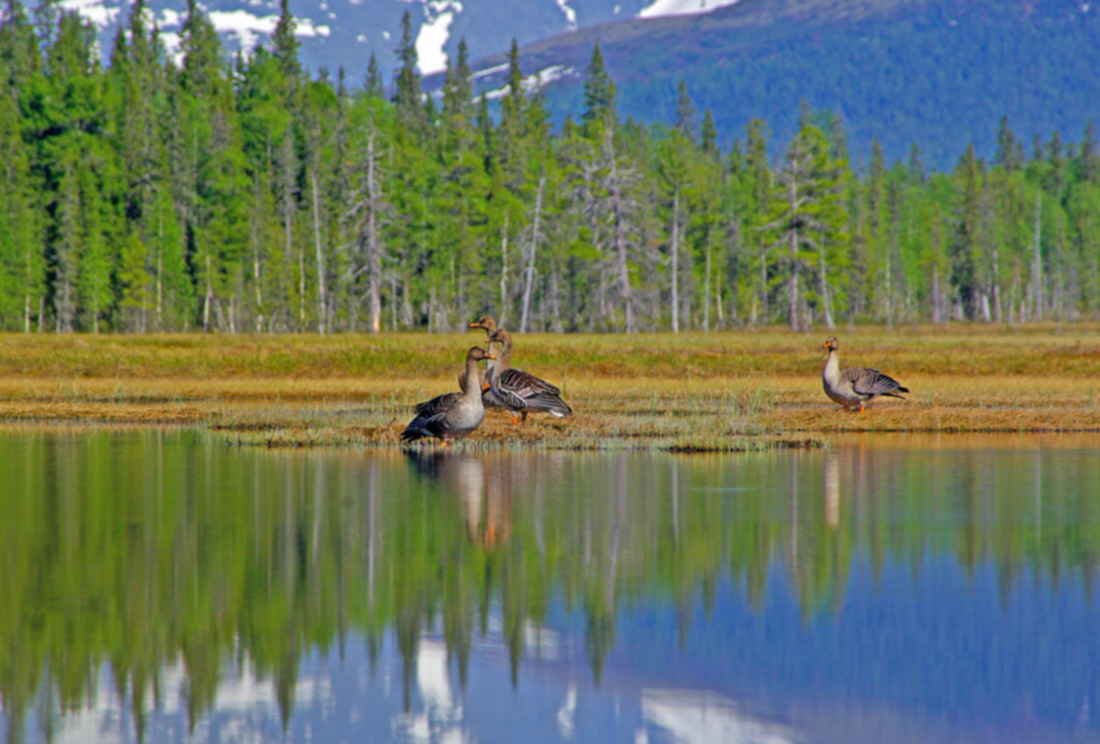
x=490, y=326
x=518, y=391
x=452, y=415
x=854, y=386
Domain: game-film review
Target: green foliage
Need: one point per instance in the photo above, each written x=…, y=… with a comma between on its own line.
x=247, y=196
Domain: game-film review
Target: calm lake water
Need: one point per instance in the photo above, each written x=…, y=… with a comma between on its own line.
x=161, y=585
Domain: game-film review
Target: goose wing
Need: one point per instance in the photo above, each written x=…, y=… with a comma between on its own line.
x=437, y=406
x=525, y=383
x=431, y=418
x=867, y=381
x=519, y=390
x=520, y=380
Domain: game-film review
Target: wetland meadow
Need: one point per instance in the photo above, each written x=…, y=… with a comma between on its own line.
x=220, y=539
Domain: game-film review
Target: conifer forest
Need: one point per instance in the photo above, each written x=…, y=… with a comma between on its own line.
x=157, y=192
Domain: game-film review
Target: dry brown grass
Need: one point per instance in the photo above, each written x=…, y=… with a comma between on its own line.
x=1039, y=350
x=688, y=392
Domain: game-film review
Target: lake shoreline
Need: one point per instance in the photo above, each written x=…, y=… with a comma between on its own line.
x=725, y=392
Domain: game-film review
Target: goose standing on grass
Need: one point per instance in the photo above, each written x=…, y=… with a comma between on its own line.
x=518, y=391
x=452, y=415
x=854, y=386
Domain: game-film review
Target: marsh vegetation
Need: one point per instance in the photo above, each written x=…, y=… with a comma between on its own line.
x=693, y=391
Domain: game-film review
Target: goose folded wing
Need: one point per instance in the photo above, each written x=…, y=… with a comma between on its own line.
x=866, y=381
x=437, y=406
x=525, y=383
x=504, y=394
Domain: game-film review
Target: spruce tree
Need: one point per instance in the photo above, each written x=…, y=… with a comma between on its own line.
x=284, y=44
x=708, y=136
x=372, y=86
x=1090, y=155
x=599, y=94
x=806, y=222
x=406, y=92
x=964, y=246
x=685, y=110
x=20, y=57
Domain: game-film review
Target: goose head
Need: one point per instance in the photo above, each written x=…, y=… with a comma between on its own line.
x=486, y=322
x=831, y=343
x=476, y=354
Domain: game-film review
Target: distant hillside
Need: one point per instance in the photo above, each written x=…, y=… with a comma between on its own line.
x=932, y=72
x=343, y=33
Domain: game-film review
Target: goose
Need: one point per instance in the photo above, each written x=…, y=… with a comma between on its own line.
x=518, y=391
x=853, y=386
x=452, y=415
x=486, y=322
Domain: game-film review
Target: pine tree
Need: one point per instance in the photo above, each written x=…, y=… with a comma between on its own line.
x=22, y=267
x=284, y=44
x=202, y=66
x=511, y=142
x=19, y=53
x=599, y=94
x=685, y=110
x=916, y=164
x=806, y=219
x=965, y=243
x=406, y=93
x=708, y=137
x=1007, y=147
x=1090, y=155
x=372, y=86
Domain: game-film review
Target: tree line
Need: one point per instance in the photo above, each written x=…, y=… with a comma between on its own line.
x=162, y=192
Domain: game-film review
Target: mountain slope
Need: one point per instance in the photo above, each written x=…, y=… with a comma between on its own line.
x=939, y=73
x=343, y=33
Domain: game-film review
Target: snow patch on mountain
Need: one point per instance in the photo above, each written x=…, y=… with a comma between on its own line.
x=569, y=13
x=95, y=11
x=536, y=82
x=433, y=35
x=489, y=71
x=681, y=7
x=248, y=27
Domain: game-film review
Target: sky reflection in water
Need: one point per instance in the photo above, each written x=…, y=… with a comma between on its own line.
x=168, y=584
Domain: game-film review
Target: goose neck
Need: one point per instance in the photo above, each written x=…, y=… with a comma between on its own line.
x=832, y=365
x=472, y=388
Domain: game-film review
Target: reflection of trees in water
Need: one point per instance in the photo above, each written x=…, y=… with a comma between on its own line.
x=170, y=550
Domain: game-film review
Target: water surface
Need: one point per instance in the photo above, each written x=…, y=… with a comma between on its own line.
x=161, y=586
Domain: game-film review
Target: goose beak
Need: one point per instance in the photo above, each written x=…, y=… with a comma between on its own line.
x=490, y=355
x=475, y=324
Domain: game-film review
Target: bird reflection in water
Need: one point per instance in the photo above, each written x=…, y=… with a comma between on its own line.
x=832, y=489
x=484, y=491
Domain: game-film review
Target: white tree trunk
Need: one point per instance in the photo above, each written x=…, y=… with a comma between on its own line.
x=322, y=295
x=676, y=262
x=1037, y=263
x=529, y=274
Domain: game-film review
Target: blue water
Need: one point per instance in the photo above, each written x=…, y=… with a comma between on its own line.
x=852, y=595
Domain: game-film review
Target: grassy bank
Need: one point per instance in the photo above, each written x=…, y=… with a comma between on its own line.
x=692, y=392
